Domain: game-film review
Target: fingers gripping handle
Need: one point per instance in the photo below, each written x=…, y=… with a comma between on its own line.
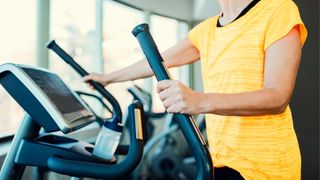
x=186, y=122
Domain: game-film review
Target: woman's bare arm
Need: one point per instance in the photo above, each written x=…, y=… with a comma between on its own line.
x=181, y=53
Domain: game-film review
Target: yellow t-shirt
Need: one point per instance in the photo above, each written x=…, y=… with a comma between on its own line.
x=232, y=61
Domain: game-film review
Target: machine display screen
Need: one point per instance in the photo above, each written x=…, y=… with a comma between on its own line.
x=56, y=90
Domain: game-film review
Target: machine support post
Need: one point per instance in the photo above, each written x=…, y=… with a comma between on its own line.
x=10, y=170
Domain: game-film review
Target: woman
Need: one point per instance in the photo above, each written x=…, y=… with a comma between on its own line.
x=250, y=56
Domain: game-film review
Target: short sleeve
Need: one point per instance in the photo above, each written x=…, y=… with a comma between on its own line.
x=282, y=21
x=197, y=34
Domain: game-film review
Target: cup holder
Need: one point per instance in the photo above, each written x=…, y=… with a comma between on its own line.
x=112, y=161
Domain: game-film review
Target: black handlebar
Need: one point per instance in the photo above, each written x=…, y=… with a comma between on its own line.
x=117, y=114
x=186, y=122
x=98, y=98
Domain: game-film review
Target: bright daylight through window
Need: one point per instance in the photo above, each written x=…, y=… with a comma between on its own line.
x=17, y=44
x=75, y=30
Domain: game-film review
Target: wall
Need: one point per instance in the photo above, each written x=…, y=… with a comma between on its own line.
x=180, y=9
x=205, y=8
x=187, y=10
x=305, y=100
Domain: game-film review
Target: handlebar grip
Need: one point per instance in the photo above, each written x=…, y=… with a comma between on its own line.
x=66, y=57
x=186, y=122
x=150, y=49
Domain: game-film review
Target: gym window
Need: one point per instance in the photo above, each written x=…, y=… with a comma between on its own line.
x=17, y=45
x=72, y=25
x=120, y=48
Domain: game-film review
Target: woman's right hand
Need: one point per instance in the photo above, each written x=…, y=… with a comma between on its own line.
x=100, y=78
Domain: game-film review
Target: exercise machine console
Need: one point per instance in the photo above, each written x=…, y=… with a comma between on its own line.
x=51, y=105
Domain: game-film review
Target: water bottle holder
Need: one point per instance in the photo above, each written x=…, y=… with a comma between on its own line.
x=90, y=150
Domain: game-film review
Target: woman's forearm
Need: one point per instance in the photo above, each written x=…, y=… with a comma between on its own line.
x=266, y=101
x=178, y=98
x=138, y=70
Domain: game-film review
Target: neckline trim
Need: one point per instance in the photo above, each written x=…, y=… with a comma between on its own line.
x=245, y=11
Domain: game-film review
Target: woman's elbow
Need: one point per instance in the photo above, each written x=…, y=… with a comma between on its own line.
x=279, y=109
x=280, y=105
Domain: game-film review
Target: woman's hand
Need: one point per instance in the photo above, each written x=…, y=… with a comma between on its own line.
x=100, y=78
x=178, y=98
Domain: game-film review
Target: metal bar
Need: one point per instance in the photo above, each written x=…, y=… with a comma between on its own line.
x=11, y=170
x=42, y=32
x=98, y=60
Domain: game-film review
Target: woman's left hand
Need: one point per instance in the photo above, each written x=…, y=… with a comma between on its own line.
x=178, y=98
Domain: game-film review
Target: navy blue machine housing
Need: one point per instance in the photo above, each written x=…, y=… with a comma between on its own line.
x=45, y=86
x=123, y=169
x=27, y=101
x=186, y=122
